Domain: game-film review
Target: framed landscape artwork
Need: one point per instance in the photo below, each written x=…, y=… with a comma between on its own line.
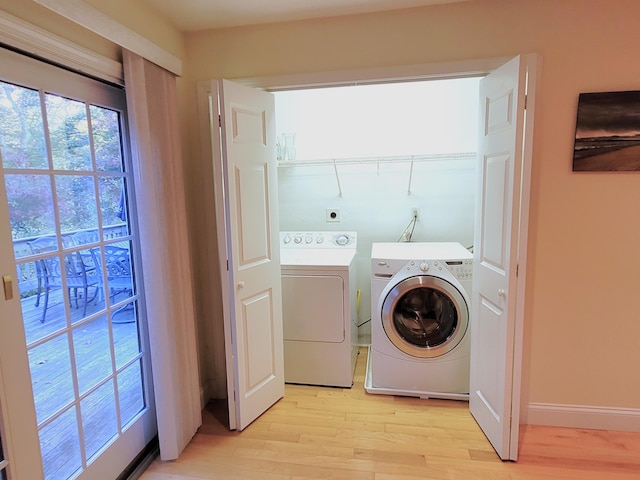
x=607, y=132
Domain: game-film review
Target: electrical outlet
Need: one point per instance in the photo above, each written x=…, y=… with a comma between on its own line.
x=415, y=212
x=333, y=215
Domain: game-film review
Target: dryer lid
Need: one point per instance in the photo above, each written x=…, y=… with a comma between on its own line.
x=420, y=251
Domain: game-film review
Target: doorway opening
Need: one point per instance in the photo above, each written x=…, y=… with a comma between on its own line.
x=378, y=153
x=499, y=243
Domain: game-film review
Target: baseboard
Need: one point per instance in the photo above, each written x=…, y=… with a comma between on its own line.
x=581, y=416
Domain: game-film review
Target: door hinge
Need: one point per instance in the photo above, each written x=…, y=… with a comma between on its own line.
x=220, y=120
x=517, y=269
x=227, y=265
x=526, y=97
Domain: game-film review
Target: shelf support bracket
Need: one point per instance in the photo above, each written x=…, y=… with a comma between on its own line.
x=410, y=177
x=335, y=169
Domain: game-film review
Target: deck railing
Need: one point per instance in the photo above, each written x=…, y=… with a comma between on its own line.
x=27, y=277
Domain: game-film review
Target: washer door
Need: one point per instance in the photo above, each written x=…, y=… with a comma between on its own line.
x=425, y=316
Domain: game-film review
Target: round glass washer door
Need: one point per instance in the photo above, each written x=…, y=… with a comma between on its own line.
x=425, y=316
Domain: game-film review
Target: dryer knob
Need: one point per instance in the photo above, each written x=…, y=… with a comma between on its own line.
x=424, y=266
x=342, y=240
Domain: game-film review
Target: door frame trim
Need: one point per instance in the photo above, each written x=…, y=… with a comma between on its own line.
x=436, y=71
x=395, y=74
x=520, y=403
x=439, y=71
x=212, y=180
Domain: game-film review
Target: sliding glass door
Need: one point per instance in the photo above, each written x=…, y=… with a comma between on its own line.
x=66, y=183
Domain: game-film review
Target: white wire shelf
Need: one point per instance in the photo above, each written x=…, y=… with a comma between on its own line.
x=410, y=159
x=460, y=156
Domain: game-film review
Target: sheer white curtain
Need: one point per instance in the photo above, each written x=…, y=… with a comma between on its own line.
x=160, y=198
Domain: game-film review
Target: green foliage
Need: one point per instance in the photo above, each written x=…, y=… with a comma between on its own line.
x=75, y=185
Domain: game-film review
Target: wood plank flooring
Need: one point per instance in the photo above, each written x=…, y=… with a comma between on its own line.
x=336, y=434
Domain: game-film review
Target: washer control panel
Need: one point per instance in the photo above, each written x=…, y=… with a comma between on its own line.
x=318, y=239
x=461, y=269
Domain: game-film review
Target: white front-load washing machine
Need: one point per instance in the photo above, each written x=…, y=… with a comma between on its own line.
x=420, y=300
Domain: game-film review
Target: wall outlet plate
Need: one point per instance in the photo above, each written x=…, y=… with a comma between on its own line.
x=333, y=215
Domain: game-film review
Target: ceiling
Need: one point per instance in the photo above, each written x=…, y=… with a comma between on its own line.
x=192, y=15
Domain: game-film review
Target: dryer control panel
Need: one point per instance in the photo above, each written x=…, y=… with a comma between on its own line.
x=321, y=240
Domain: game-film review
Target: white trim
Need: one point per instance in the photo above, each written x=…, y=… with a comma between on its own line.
x=96, y=21
x=531, y=61
x=34, y=40
x=208, y=110
x=210, y=177
x=584, y=416
x=395, y=74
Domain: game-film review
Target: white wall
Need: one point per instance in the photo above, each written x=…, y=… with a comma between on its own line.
x=389, y=125
x=581, y=239
x=376, y=204
x=383, y=119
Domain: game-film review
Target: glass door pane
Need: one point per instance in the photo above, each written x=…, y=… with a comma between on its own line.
x=66, y=175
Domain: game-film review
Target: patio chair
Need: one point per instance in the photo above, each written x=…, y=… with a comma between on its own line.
x=84, y=237
x=41, y=245
x=119, y=277
x=118, y=265
x=50, y=273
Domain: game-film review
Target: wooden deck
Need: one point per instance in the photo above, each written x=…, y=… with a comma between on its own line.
x=55, y=350
x=55, y=317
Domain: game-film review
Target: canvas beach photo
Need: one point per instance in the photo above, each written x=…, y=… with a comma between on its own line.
x=607, y=132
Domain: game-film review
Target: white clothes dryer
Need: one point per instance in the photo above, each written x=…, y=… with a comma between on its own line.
x=420, y=301
x=319, y=307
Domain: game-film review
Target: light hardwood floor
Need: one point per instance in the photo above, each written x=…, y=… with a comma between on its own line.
x=335, y=433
